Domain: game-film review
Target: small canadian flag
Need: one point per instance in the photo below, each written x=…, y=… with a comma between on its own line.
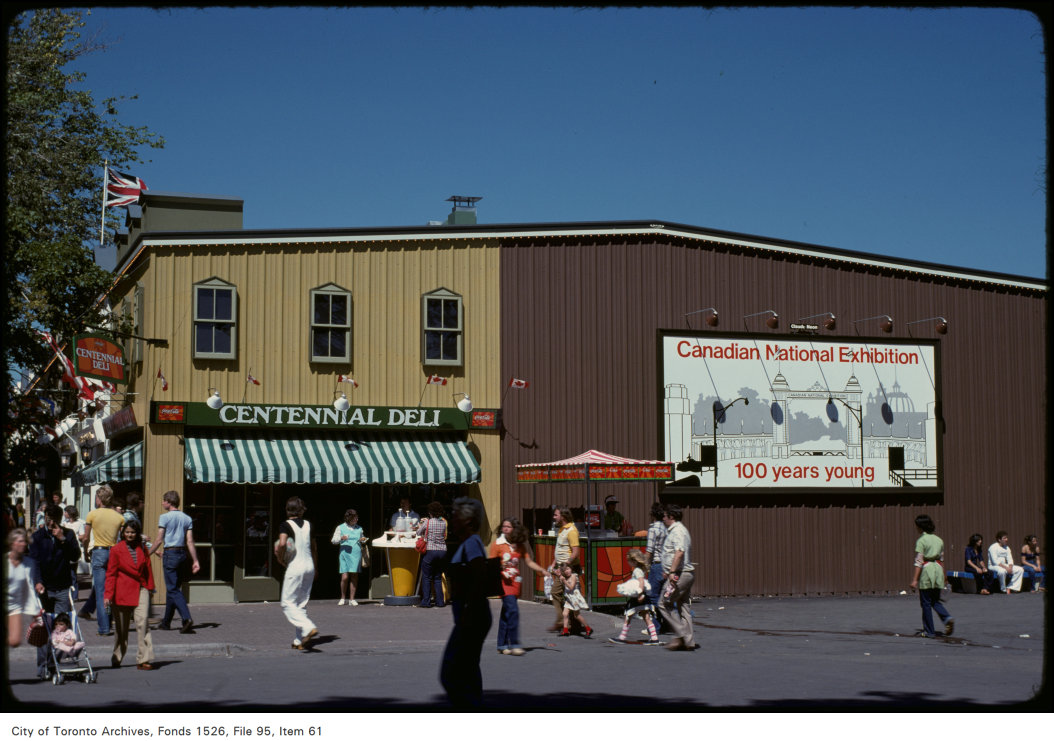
x=250, y=379
x=434, y=380
x=164, y=381
x=341, y=378
x=518, y=383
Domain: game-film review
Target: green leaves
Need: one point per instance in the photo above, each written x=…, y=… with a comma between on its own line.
x=57, y=138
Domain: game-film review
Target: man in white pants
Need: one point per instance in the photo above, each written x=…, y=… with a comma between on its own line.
x=1001, y=563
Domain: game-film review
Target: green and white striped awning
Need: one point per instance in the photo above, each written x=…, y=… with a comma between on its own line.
x=125, y=464
x=252, y=457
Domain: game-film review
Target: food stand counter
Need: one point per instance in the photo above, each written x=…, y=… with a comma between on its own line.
x=604, y=564
x=403, y=561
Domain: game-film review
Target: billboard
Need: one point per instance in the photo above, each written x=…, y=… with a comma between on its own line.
x=750, y=411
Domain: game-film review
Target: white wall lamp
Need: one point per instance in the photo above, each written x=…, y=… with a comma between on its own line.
x=464, y=404
x=214, y=401
x=341, y=403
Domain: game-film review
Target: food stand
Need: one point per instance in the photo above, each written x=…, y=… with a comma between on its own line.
x=403, y=561
x=603, y=551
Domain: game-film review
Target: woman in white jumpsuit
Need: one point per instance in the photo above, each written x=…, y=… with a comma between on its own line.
x=299, y=571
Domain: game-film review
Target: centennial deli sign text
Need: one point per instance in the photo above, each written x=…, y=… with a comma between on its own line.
x=196, y=413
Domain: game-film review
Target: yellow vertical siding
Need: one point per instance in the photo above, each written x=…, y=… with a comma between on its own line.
x=274, y=282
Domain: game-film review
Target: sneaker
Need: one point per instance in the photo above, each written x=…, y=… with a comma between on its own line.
x=949, y=627
x=565, y=632
x=298, y=646
x=516, y=651
x=309, y=637
x=617, y=640
x=353, y=603
x=342, y=602
x=507, y=651
x=653, y=642
x=589, y=631
x=188, y=627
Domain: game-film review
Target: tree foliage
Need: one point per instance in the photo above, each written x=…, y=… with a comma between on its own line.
x=57, y=138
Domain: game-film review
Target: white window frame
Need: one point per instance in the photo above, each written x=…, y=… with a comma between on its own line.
x=215, y=284
x=443, y=294
x=330, y=289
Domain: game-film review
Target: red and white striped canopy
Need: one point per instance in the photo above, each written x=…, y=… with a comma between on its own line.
x=594, y=465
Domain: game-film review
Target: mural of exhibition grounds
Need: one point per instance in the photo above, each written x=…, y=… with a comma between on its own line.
x=805, y=412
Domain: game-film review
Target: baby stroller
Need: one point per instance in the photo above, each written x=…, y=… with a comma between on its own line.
x=60, y=666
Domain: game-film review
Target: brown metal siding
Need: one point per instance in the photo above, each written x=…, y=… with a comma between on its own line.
x=579, y=321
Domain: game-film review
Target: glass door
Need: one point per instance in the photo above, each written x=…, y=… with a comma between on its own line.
x=255, y=579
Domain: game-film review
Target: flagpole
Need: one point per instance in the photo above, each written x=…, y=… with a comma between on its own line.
x=102, y=224
x=245, y=391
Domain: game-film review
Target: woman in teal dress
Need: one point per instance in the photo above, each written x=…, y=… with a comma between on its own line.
x=348, y=536
x=929, y=576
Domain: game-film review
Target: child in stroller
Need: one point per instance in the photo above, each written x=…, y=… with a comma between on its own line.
x=63, y=640
x=67, y=657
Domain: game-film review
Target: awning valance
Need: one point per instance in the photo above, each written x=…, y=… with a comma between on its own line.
x=593, y=465
x=242, y=457
x=125, y=464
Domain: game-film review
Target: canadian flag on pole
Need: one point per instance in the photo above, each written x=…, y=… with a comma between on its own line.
x=85, y=388
x=341, y=378
x=164, y=381
x=250, y=379
x=434, y=380
x=518, y=383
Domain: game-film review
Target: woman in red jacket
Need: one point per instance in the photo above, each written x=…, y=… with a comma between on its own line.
x=129, y=582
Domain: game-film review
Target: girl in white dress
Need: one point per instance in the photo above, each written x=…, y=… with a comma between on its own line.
x=574, y=602
x=299, y=571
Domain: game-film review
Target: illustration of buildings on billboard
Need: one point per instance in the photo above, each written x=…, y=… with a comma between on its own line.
x=743, y=411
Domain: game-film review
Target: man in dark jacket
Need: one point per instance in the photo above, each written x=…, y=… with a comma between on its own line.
x=55, y=553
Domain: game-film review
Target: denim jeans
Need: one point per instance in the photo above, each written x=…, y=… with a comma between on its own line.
x=930, y=599
x=53, y=601
x=173, y=562
x=655, y=582
x=509, y=623
x=100, y=557
x=432, y=577
x=1031, y=571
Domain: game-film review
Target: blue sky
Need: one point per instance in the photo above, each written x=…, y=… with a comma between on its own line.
x=910, y=133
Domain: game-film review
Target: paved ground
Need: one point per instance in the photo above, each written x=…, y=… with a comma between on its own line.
x=794, y=653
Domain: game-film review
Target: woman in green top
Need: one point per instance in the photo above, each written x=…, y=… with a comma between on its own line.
x=929, y=576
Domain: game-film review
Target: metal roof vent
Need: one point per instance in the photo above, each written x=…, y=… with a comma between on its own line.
x=464, y=210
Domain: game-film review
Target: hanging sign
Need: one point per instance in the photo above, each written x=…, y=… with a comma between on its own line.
x=96, y=356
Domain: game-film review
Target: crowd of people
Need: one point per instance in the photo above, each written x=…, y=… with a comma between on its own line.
x=43, y=563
